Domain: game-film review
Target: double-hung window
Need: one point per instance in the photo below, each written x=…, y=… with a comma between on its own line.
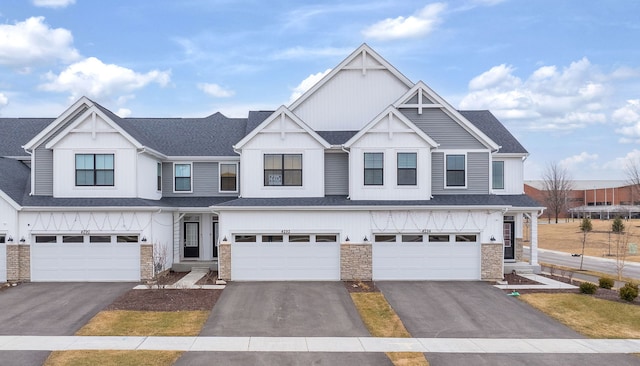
x=159, y=177
x=455, y=175
x=498, y=174
x=283, y=169
x=407, y=169
x=373, y=169
x=182, y=177
x=94, y=170
x=228, y=177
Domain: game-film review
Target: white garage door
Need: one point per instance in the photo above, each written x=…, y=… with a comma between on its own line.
x=99, y=262
x=3, y=262
x=426, y=257
x=285, y=258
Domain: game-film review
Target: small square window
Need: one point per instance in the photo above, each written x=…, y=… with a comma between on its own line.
x=127, y=238
x=326, y=238
x=272, y=238
x=245, y=238
x=439, y=238
x=49, y=239
x=100, y=239
x=466, y=238
x=412, y=238
x=384, y=238
x=72, y=239
x=299, y=238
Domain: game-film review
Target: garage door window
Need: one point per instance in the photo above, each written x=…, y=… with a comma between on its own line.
x=326, y=238
x=385, y=238
x=49, y=239
x=412, y=238
x=100, y=239
x=272, y=238
x=72, y=239
x=438, y=238
x=127, y=238
x=245, y=238
x=465, y=238
x=299, y=238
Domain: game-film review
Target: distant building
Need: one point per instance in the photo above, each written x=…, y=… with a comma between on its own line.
x=597, y=199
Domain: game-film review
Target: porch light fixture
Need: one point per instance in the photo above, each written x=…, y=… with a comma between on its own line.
x=22, y=240
x=493, y=238
x=365, y=239
x=144, y=239
x=225, y=238
x=347, y=239
x=10, y=239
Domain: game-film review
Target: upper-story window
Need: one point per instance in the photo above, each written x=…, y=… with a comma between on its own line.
x=94, y=170
x=228, y=177
x=407, y=169
x=182, y=177
x=498, y=174
x=283, y=169
x=455, y=171
x=373, y=169
x=159, y=177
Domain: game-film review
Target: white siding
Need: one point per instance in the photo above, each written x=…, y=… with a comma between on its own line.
x=8, y=220
x=350, y=100
x=147, y=178
x=513, y=175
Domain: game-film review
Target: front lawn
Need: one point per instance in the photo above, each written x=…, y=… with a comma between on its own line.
x=595, y=318
x=112, y=358
x=145, y=323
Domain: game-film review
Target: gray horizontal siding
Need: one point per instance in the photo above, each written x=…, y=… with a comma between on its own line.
x=43, y=175
x=477, y=174
x=444, y=130
x=204, y=183
x=336, y=174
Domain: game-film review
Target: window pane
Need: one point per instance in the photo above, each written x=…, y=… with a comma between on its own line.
x=438, y=238
x=384, y=238
x=293, y=178
x=100, y=238
x=2, y=239
x=498, y=175
x=273, y=161
x=183, y=170
x=465, y=238
x=455, y=178
x=73, y=239
x=127, y=239
x=299, y=239
x=373, y=177
x=104, y=178
x=407, y=177
x=104, y=161
x=159, y=178
x=455, y=162
x=411, y=238
x=84, y=178
x=326, y=238
x=407, y=160
x=84, y=161
x=51, y=239
x=183, y=184
x=273, y=177
x=373, y=160
x=272, y=238
x=293, y=161
x=245, y=238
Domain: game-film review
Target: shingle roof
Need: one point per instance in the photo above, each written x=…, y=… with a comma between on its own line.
x=490, y=126
x=16, y=132
x=255, y=119
x=336, y=137
x=467, y=200
x=14, y=179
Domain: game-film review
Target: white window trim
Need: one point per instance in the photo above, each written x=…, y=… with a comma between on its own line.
x=385, y=154
x=408, y=186
x=237, y=176
x=466, y=169
x=174, y=177
x=281, y=152
x=94, y=152
x=503, y=176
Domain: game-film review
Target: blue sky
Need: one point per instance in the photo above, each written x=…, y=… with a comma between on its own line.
x=563, y=76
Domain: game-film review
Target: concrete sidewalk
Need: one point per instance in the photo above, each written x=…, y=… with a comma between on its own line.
x=321, y=344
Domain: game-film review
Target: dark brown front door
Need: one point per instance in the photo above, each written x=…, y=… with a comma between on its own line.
x=191, y=239
x=508, y=234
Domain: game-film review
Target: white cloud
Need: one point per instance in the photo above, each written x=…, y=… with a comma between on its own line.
x=33, y=42
x=216, y=90
x=575, y=160
x=53, y=3
x=548, y=99
x=307, y=84
x=123, y=112
x=304, y=53
x=621, y=163
x=421, y=23
x=95, y=79
x=629, y=116
x=3, y=100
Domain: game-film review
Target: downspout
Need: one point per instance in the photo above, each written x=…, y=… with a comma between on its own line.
x=348, y=170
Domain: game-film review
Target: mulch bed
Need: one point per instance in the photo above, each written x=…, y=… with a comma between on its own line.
x=209, y=279
x=601, y=293
x=166, y=300
x=171, y=277
x=360, y=286
x=514, y=279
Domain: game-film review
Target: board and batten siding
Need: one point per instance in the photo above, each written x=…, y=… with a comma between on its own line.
x=204, y=180
x=43, y=174
x=477, y=174
x=444, y=130
x=336, y=174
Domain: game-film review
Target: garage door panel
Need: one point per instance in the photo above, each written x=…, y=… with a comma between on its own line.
x=3, y=263
x=285, y=261
x=426, y=261
x=85, y=262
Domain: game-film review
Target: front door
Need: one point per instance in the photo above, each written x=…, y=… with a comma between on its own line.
x=508, y=234
x=191, y=239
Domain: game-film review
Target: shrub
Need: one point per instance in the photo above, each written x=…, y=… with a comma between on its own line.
x=629, y=292
x=606, y=282
x=588, y=288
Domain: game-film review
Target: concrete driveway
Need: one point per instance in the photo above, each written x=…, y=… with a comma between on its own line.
x=284, y=309
x=51, y=309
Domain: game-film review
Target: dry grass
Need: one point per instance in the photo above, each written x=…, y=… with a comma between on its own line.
x=382, y=321
x=590, y=316
x=145, y=323
x=566, y=237
x=112, y=358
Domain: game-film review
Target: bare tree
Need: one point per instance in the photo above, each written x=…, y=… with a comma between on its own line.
x=556, y=184
x=585, y=227
x=632, y=171
x=622, y=244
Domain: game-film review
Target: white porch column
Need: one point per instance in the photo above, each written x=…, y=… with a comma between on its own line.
x=176, y=237
x=534, y=239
